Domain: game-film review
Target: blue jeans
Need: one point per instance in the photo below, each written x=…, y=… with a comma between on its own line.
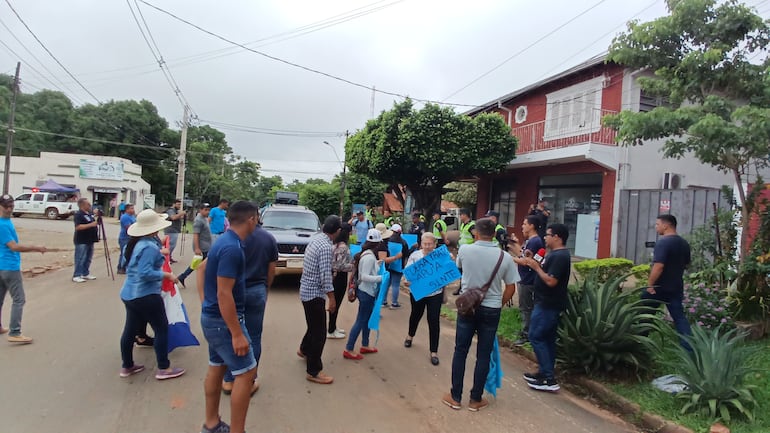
x=254, y=315
x=172, y=239
x=484, y=323
x=675, y=308
x=122, y=260
x=361, y=326
x=10, y=282
x=221, y=345
x=83, y=255
x=395, y=287
x=543, y=330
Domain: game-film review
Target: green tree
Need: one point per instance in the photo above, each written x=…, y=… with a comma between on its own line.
x=428, y=148
x=321, y=198
x=464, y=194
x=710, y=62
x=361, y=188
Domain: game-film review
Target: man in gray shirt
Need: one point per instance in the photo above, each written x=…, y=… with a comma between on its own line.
x=477, y=261
x=177, y=216
x=201, y=237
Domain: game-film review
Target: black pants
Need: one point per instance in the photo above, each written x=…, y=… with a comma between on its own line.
x=313, y=342
x=140, y=312
x=340, y=283
x=433, y=304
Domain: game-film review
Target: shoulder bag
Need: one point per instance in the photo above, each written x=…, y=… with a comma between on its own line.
x=470, y=300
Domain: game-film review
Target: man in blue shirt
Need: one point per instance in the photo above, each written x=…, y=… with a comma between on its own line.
x=261, y=252
x=361, y=225
x=10, y=270
x=532, y=244
x=217, y=219
x=223, y=324
x=127, y=218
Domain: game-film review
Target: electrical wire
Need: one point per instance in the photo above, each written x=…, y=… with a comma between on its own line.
x=524, y=49
x=296, y=65
x=269, y=131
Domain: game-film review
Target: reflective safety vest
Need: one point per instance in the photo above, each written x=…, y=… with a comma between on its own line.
x=465, y=233
x=497, y=229
x=370, y=215
x=436, y=231
x=389, y=221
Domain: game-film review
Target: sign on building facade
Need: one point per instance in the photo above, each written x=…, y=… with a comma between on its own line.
x=99, y=169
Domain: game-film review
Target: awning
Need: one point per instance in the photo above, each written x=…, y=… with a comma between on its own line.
x=105, y=189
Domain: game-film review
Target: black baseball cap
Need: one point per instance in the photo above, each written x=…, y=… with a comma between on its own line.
x=493, y=213
x=6, y=200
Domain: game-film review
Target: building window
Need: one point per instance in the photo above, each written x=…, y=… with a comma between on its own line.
x=504, y=201
x=647, y=102
x=574, y=110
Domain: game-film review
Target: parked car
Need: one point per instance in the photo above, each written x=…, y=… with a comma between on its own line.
x=52, y=205
x=292, y=226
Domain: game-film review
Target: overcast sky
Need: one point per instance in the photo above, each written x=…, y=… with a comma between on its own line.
x=427, y=49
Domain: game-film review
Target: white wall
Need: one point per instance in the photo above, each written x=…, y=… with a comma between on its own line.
x=64, y=168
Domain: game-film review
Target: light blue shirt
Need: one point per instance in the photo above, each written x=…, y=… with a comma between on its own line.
x=9, y=260
x=144, y=275
x=217, y=217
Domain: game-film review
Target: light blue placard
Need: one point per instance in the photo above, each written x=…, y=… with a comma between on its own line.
x=374, y=319
x=394, y=249
x=354, y=249
x=410, y=239
x=431, y=272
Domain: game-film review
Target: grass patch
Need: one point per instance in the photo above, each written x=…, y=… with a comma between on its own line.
x=667, y=406
x=449, y=313
x=510, y=324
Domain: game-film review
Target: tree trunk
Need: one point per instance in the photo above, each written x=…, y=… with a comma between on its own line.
x=745, y=217
x=427, y=198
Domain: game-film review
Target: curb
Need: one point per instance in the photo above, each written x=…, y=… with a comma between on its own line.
x=631, y=411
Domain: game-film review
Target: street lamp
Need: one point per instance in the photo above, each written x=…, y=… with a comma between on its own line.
x=342, y=178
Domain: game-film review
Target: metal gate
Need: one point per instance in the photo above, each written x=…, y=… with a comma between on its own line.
x=638, y=210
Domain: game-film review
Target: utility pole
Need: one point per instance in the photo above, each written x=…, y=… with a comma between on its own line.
x=182, y=157
x=9, y=144
x=371, y=107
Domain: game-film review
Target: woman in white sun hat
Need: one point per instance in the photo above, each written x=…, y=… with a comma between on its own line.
x=141, y=294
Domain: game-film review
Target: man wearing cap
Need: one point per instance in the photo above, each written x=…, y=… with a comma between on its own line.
x=395, y=264
x=417, y=228
x=501, y=236
x=127, y=217
x=361, y=225
x=176, y=215
x=439, y=228
x=201, y=237
x=86, y=235
x=315, y=287
x=10, y=270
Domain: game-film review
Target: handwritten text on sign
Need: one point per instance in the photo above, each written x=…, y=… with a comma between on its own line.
x=431, y=273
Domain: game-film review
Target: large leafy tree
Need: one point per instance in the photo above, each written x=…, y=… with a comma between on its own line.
x=428, y=148
x=710, y=62
x=463, y=194
x=361, y=188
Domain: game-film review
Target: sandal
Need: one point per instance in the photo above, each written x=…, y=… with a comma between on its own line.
x=320, y=378
x=368, y=350
x=354, y=357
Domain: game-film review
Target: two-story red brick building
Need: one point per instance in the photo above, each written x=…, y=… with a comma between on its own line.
x=568, y=158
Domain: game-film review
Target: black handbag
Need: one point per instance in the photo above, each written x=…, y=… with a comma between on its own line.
x=470, y=299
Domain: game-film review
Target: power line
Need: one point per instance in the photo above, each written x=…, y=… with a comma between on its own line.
x=290, y=132
x=524, y=49
x=305, y=68
x=159, y=56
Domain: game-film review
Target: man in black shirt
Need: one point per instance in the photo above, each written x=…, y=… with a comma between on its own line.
x=550, y=300
x=86, y=234
x=665, y=284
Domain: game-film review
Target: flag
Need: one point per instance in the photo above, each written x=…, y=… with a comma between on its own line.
x=495, y=375
x=179, y=333
x=374, y=319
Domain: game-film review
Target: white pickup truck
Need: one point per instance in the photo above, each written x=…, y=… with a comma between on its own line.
x=52, y=205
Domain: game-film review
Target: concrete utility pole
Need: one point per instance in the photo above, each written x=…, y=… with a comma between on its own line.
x=182, y=157
x=9, y=145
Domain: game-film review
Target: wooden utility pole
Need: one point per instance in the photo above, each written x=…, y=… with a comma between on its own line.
x=182, y=161
x=9, y=145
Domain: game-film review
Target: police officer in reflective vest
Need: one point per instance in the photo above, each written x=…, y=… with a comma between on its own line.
x=389, y=220
x=467, y=226
x=439, y=228
x=501, y=235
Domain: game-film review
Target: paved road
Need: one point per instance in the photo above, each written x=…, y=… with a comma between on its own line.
x=67, y=381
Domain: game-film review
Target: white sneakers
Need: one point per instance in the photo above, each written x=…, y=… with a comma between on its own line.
x=83, y=279
x=336, y=335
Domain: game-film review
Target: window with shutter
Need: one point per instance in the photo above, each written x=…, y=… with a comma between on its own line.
x=574, y=110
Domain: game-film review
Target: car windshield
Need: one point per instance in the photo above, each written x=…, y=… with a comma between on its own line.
x=290, y=220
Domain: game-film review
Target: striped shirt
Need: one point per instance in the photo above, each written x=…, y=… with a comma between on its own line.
x=316, y=279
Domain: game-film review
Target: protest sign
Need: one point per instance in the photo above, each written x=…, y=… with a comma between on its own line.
x=431, y=272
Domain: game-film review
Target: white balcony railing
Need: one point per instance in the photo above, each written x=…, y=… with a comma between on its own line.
x=536, y=137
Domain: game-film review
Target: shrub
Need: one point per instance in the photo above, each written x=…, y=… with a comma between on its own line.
x=641, y=273
x=606, y=331
x=707, y=305
x=715, y=373
x=603, y=270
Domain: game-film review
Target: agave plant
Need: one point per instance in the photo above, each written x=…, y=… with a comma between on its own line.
x=606, y=331
x=715, y=372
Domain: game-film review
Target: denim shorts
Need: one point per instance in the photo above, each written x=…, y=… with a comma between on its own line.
x=221, y=345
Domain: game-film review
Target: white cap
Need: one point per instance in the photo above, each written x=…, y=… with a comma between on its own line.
x=396, y=228
x=373, y=235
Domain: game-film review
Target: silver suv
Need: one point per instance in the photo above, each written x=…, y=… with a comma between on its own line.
x=292, y=226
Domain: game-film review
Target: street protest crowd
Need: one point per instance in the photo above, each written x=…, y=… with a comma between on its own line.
x=358, y=260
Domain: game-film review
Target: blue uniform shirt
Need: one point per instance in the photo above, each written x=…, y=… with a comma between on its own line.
x=225, y=259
